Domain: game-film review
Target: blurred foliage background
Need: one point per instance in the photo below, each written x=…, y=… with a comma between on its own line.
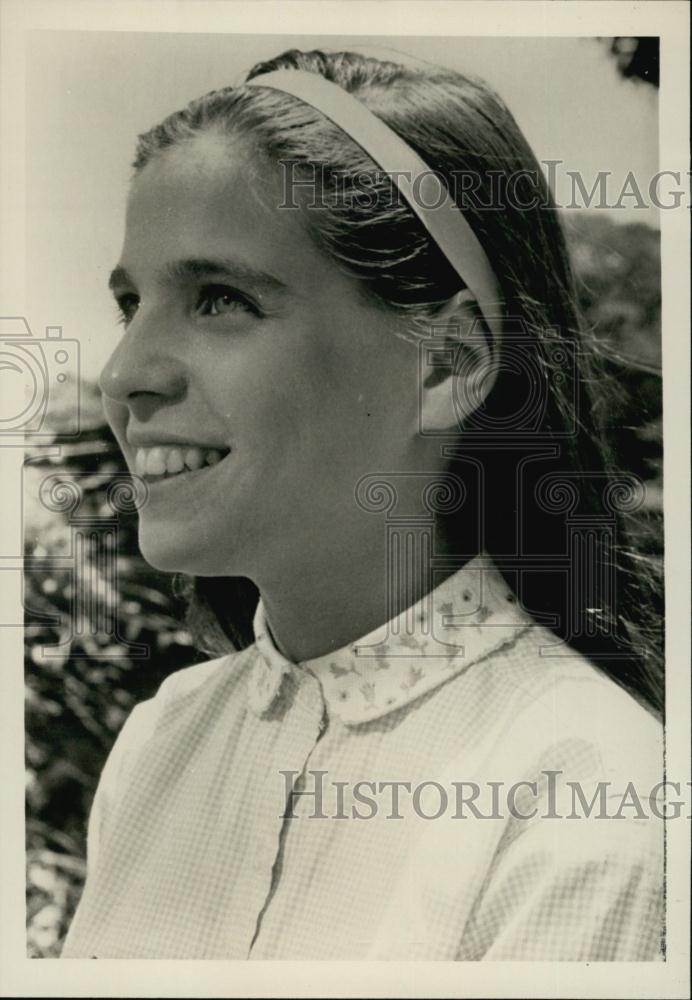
x=80, y=686
x=82, y=675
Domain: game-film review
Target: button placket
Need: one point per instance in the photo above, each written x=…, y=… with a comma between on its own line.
x=299, y=732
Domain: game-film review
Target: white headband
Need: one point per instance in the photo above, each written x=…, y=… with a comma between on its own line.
x=419, y=185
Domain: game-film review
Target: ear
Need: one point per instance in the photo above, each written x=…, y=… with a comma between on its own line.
x=458, y=365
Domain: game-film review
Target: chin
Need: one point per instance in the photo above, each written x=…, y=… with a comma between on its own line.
x=176, y=552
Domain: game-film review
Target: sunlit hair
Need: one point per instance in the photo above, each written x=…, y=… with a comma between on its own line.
x=461, y=129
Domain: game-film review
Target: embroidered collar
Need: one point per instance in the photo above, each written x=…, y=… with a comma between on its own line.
x=467, y=616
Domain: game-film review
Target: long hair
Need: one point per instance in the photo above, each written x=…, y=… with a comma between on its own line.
x=554, y=518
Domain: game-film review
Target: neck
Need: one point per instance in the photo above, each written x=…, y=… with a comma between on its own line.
x=345, y=594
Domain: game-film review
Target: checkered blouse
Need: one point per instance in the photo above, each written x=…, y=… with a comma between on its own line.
x=457, y=785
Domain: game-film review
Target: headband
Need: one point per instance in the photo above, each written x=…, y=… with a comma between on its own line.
x=418, y=184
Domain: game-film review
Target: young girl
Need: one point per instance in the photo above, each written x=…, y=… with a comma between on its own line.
x=353, y=381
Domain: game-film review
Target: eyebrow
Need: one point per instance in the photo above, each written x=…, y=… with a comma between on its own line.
x=192, y=268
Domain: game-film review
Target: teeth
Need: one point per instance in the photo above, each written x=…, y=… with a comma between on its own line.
x=175, y=461
x=194, y=459
x=160, y=460
x=156, y=462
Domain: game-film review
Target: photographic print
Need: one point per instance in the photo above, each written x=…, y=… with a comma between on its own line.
x=350, y=508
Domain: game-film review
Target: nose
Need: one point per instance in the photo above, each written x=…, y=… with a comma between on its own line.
x=142, y=373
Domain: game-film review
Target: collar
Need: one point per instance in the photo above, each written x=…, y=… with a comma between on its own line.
x=469, y=615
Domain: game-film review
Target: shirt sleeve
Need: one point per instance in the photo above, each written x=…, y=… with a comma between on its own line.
x=573, y=890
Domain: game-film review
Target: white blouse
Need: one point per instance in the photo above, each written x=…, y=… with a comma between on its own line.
x=456, y=785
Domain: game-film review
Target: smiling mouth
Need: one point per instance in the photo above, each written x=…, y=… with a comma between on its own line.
x=170, y=461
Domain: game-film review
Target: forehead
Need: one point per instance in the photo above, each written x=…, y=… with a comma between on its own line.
x=209, y=195
x=208, y=158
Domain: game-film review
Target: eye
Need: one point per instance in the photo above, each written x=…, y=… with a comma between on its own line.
x=220, y=300
x=127, y=306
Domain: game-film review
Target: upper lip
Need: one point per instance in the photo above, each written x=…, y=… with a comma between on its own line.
x=137, y=439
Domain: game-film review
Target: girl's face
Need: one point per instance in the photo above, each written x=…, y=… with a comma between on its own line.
x=254, y=385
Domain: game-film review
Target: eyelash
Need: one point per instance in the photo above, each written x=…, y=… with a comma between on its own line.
x=211, y=292
x=128, y=303
x=127, y=307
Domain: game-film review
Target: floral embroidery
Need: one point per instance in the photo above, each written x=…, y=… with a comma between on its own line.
x=414, y=675
x=417, y=657
x=338, y=671
x=368, y=691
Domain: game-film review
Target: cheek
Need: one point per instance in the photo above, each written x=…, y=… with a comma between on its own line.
x=117, y=416
x=312, y=395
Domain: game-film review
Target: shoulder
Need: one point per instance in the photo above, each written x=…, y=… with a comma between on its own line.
x=177, y=711
x=184, y=694
x=199, y=680
x=570, y=748
x=558, y=709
